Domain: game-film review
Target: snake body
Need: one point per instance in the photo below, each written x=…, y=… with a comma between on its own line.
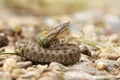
x=62, y=53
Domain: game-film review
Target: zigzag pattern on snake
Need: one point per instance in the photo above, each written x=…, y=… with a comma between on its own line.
x=62, y=53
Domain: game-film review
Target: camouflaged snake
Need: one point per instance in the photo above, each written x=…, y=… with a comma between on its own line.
x=63, y=53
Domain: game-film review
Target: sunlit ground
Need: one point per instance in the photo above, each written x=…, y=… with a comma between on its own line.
x=94, y=28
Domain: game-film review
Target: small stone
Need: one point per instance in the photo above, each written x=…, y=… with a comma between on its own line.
x=85, y=58
x=85, y=67
x=112, y=56
x=118, y=76
x=17, y=58
x=104, y=77
x=102, y=73
x=1, y=63
x=77, y=75
x=16, y=72
x=9, y=64
x=85, y=50
x=56, y=66
x=51, y=76
x=31, y=74
x=96, y=54
x=41, y=68
x=31, y=69
x=101, y=66
x=110, y=63
x=118, y=62
x=5, y=76
x=3, y=40
x=24, y=64
x=2, y=57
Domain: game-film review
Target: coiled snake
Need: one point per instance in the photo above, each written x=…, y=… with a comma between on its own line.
x=63, y=53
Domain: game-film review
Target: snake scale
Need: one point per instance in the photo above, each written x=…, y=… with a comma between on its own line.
x=64, y=53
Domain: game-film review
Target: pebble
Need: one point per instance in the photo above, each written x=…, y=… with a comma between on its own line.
x=102, y=73
x=101, y=66
x=105, y=78
x=110, y=63
x=2, y=57
x=85, y=58
x=24, y=64
x=17, y=58
x=85, y=50
x=51, y=76
x=95, y=54
x=31, y=74
x=42, y=68
x=5, y=76
x=57, y=66
x=31, y=69
x=85, y=67
x=118, y=62
x=16, y=72
x=118, y=76
x=9, y=64
x=77, y=75
x=112, y=56
x=3, y=40
x=1, y=63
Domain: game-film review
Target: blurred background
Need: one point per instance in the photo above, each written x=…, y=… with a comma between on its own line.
x=57, y=7
x=94, y=27
x=102, y=16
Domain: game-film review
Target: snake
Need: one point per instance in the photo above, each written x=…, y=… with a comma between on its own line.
x=66, y=53
x=52, y=50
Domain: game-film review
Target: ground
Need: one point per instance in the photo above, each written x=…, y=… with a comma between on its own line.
x=97, y=29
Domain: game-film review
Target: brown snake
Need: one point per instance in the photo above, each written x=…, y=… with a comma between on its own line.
x=62, y=53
